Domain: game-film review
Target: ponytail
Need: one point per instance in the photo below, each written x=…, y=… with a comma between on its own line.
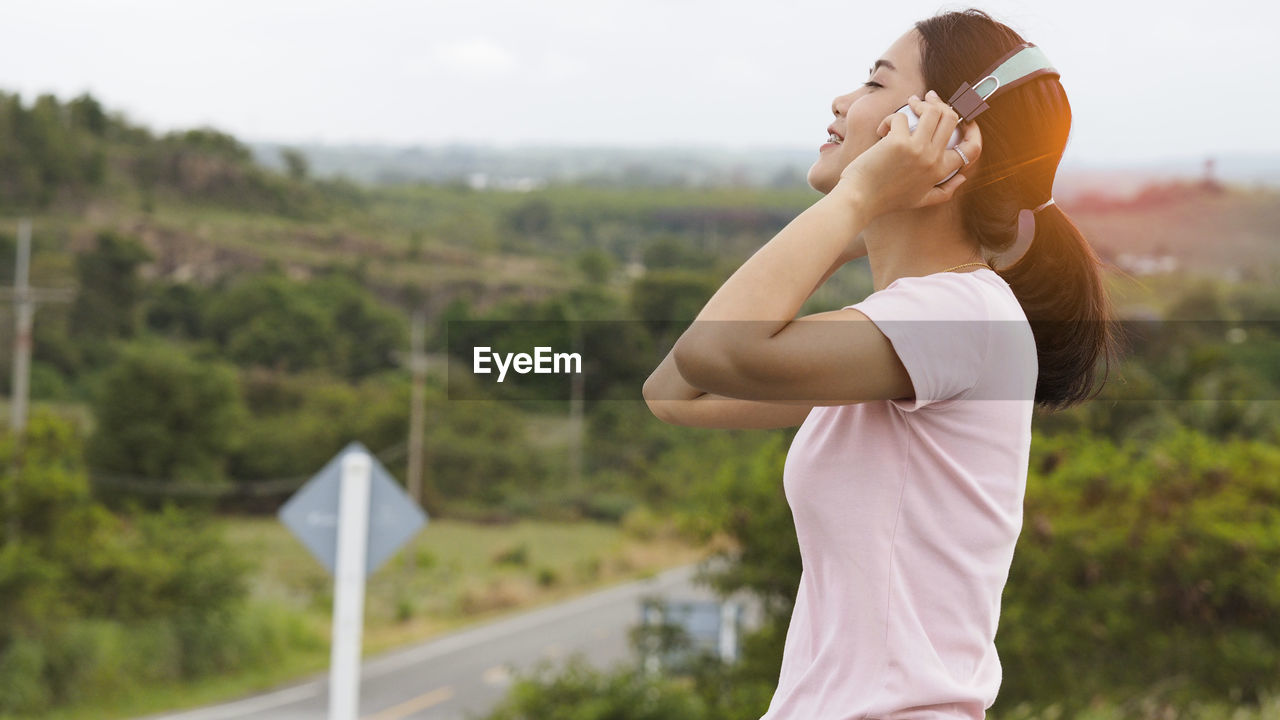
x=1059, y=283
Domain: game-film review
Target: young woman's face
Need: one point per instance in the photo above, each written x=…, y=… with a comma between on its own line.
x=860, y=112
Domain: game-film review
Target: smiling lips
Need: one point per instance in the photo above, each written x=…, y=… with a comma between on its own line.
x=833, y=137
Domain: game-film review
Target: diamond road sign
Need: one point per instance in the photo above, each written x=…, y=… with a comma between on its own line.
x=312, y=513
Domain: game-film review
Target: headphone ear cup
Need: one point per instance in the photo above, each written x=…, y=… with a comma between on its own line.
x=913, y=120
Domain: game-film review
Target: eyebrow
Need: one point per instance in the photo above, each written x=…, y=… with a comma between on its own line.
x=883, y=62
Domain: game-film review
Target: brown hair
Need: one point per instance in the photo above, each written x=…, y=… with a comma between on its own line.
x=1058, y=280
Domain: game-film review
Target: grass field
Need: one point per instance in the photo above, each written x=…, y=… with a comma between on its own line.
x=452, y=574
x=455, y=571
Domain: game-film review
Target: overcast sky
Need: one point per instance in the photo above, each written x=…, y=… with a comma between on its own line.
x=1144, y=84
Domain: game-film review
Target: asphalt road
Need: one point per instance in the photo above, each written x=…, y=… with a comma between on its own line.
x=465, y=674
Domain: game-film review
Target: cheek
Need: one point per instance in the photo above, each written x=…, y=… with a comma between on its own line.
x=863, y=121
x=860, y=131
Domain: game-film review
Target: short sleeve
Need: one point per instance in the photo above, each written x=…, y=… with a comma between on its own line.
x=938, y=326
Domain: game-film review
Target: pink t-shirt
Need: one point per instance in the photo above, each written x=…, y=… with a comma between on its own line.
x=907, y=513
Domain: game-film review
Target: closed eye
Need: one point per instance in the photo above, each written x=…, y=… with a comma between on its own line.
x=871, y=83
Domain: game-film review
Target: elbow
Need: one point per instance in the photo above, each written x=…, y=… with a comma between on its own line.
x=693, y=364
x=658, y=408
x=649, y=390
x=650, y=393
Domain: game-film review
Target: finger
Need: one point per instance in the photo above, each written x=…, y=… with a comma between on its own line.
x=970, y=140
x=928, y=121
x=897, y=122
x=947, y=118
x=944, y=192
x=884, y=126
x=930, y=112
x=946, y=124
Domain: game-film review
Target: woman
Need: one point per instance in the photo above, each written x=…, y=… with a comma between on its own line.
x=906, y=477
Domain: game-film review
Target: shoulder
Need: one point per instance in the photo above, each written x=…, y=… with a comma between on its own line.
x=940, y=296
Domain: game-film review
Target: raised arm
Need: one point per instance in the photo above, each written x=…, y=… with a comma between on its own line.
x=673, y=400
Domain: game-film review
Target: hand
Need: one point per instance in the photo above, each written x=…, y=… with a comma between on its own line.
x=899, y=171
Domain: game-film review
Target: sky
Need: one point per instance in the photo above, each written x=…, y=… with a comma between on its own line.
x=1144, y=85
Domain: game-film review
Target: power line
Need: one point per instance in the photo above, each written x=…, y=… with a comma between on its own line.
x=243, y=488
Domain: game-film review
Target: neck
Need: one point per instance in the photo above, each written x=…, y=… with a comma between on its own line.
x=919, y=242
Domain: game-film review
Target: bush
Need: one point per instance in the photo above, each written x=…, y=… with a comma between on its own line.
x=517, y=555
x=94, y=604
x=1139, y=564
x=22, y=684
x=580, y=692
x=641, y=523
x=547, y=577
x=298, y=422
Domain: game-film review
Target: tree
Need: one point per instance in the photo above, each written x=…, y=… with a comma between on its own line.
x=673, y=252
x=332, y=323
x=667, y=300
x=296, y=163
x=534, y=217
x=368, y=333
x=161, y=414
x=106, y=304
x=271, y=321
x=596, y=265
x=86, y=112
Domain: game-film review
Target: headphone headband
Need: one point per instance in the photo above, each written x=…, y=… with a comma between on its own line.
x=1021, y=64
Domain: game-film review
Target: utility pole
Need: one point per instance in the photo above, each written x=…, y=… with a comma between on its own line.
x=416, y=361
x=576, y=382
x=24, y=299
x=418, y=364
x=23, y=311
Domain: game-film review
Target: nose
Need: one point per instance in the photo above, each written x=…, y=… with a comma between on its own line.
x=840, y=104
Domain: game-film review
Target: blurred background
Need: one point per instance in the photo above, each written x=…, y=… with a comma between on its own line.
x=228, y=216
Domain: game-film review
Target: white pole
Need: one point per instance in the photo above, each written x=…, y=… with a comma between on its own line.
x=729, y=631
x=348, y=587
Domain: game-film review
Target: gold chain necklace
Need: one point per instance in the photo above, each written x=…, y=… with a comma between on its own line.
x=968, y=263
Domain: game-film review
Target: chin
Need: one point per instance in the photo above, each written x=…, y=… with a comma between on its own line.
x=825, y=172
x=821, y=180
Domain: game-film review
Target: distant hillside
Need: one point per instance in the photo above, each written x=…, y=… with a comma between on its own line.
x=1204, y=229
x=68, y=154
x=527, y=168
x=503, y=223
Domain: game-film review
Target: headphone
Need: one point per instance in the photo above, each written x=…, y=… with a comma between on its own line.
x=1023, y=63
